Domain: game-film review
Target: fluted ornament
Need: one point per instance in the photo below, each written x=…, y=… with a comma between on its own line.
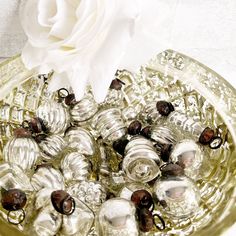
x=80, y=139
x=180, y=194
x=75, y=166
x=22, y=151
x=84, y=109
x=55, y=117
x=163, y=134
x=110, y=124
x=188, y=154
x=141, y=161
x=117, y=218
x=52, y=146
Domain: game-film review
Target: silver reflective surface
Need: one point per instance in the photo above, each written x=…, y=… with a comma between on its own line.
x=117, y=218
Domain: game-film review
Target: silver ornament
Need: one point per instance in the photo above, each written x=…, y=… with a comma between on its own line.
x=150, y=114
x=84, y=109
x=189, y=155
x=92, y=193
x=180, y=194
x=12, y=176
x=54, y=115
x=80, y=222
x=21, y=151
x=52, y=146
x=141, y=161
x=47, y=177
x=110, y=124
x=117, y=218
x=163, y=134
x=127, y=191
x=47, y=222
x=186, y=123
x=75, y=166
x=80, y=139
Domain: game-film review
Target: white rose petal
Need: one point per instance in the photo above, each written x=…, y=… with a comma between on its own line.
x=83, y=41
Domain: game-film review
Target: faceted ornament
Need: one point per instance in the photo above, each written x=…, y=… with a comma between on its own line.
x=21, y=151
x=12, y=176
x=141, y=161
x=52, y=146
x=54, y=115
x=80, y=139
x=75, y=166
x=180, y=194
x=91, y=193
x=189, y=156
x=117, y=218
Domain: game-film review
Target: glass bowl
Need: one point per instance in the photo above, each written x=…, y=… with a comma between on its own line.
x=194, y=90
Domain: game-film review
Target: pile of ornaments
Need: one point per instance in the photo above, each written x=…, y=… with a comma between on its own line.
x=82, y=168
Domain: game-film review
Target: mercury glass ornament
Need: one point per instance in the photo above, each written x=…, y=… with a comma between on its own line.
x=80, y=139
x=180, y=195
x=75, y=166
x=204, y=135
x=47, y=177
x=189, y=155
x=12, y=176
x=23, y=151
x=55, y=117
x=163, y=134
x=92, y=193
x=50, y=222
x=52, y=146
x=141, y=161
x=110, y=124
x=117, y=218
x=84, y=109
x=127, y=191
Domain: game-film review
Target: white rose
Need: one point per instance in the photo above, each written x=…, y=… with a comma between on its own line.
x=83, y=41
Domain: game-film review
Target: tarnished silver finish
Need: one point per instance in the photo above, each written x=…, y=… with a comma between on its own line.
x=127, y=191
x=92, y=193
x=180, y=194
x=21, y=151
x=13, y=176
x=141, y=161
x=84, y=109
x=110, y=124
x=54, y=115
x=75, y=166
x=186, y=123
x=80, y=139
x=47, y=177
x=150, y=114
x=52, y=146
x=163, y=134
x=117, y=218
x=189, y=155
